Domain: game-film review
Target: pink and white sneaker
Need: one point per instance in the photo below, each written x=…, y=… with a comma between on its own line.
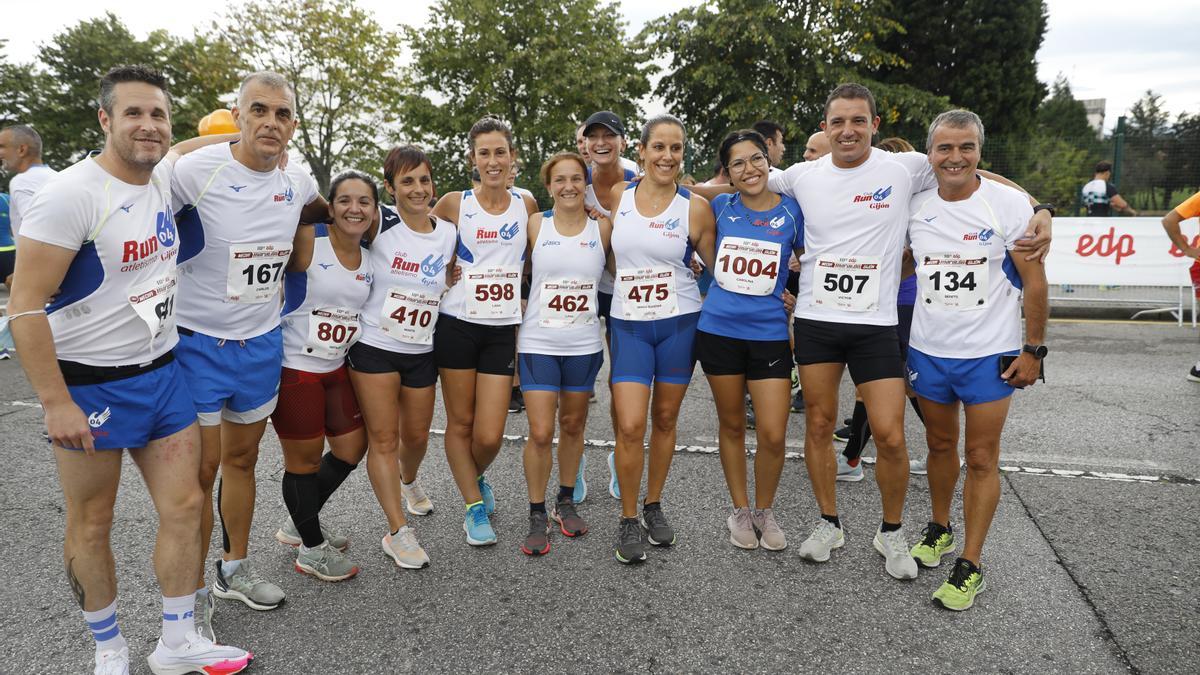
x=198, y=655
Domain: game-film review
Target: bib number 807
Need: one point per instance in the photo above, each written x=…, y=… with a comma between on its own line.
x=337, y=334
x=844, y=283
x=494, y=292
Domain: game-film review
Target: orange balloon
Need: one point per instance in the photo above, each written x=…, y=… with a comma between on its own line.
x=218, y=122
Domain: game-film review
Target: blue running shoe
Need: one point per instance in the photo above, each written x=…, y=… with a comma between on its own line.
x=489, y=499
x=580, y=483
x=478, y=528
x=614, y=488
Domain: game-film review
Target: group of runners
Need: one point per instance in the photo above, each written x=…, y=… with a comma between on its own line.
x=171, y=300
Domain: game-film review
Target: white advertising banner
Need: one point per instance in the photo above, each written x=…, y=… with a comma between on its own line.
x=1118, y=252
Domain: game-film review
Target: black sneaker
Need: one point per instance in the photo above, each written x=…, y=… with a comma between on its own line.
x=1194, y=373
x=843, y=435
x=798, y=402
x=658, y=530
x=516, y=402
x=537, y=542
x=569, y=522
x=631, y=548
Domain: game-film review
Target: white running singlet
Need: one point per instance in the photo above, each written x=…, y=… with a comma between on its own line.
x=408, y=281
x=116, y=304
x=592, y=202
x=654, y=278
x=854, y=225
x=236, y=228
x=322, y=308
x=968, y=290
x=560, y=318
x=22, y=189
x=491, y=252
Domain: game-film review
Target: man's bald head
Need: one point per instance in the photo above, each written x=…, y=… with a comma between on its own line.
x=816, y=147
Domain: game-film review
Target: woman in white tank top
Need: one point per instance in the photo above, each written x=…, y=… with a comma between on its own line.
x=475, y=341
x=559, y=347
x=656, y=228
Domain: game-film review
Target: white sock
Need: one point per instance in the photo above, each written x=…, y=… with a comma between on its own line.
x=103, y=624
x=178, y=619
x=228, y=567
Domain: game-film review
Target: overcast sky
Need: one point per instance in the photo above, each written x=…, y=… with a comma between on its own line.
x=1105, y=50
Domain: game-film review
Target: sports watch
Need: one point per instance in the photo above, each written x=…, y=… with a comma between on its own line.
x=1038, y=351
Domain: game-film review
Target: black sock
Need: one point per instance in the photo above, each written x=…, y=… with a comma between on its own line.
x=331, y=474
x=833, y=519
x=889, y=527
x=912, y=400
x=860, y=432
x=301, y=494
x=539, y=507
x=565, y=492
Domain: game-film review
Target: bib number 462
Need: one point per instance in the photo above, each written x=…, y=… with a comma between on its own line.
x=569, y=303
x=649, y=292
x=845, y=283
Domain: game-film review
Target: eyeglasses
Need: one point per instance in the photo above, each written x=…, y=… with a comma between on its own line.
x=758, y=161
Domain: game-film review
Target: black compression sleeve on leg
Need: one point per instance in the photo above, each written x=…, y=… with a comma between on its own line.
x=916, y=406
x=860, y=432
x=300, y=493
x=331, y=474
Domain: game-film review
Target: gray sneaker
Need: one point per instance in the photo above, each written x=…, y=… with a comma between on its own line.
x=415, y=500
x=847, y=473
x=658, y=530
x=824, y=538
x=898, y=561
x=405, y=550
x=208, y=607
x=247, y=586
x=287, y=534
x=741, y=529
x=920, y=467
x=770, y=534
x=325, y=563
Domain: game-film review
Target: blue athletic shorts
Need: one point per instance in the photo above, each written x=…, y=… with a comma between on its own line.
x=972, y=381
x=542, y=372
x=237, y=380
x=132, y=411
x=645, y=351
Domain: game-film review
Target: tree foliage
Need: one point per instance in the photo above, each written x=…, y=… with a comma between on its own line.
x=344, y=67
x=541, y=65
x=979, y=54
x=736, y=61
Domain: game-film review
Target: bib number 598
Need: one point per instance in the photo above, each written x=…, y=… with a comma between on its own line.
x=494, y=292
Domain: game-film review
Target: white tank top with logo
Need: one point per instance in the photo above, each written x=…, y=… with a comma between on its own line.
x=654, y=278
x=491, y=252
x=560, y=318
x=322, y=308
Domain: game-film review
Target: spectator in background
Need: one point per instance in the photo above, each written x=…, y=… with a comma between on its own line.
x=816, y=147
x=774, y=134
x=581, y=142
x=1190, y=208
x=719, y=176
x=7, y=255
x=895, y=144
x=1100, y=196
x=21, y=154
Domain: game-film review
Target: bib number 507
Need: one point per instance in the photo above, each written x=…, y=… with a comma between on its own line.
x=845, y=283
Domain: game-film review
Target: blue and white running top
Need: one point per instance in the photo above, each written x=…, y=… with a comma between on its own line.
x=117, y=300
x=409, y=278
x=654, y=278
x=236, y=228
x=321, y=309
x=968, y=289
x=560, y=318
x=491, y=252
x=753, y=247
x=592, y=202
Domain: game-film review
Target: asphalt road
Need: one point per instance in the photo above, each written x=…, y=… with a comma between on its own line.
x=1085, y=573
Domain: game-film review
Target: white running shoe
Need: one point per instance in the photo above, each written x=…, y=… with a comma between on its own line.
x=198, y=655
x=416, y=501
x=920, y=467
x=824, y=538
x=112, y=662
x=895, y=551
x=405, y=549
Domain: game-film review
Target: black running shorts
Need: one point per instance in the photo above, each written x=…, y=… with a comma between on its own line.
x=870, y=352
x=462, y=345
x=756, y=359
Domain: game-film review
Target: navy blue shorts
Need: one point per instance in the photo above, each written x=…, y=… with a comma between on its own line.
x=972, y=381
x=132, y=411
x=649, y=351
x=237, y=380
x=542, y=372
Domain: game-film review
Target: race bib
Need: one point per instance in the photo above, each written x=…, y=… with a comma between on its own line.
x=646, y=294
x=846, y=284
x=331, y=331
x=953, y=280
x=747, y=266
x=567, y=302
x=255, y=271
x=493, y=292
x=409, y=315
x=154, y=302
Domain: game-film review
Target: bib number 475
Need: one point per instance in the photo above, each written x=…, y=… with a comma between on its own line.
x=649, y=292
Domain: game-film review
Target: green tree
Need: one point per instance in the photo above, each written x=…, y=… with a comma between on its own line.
x=1145, y=174
x=980, y=54
x=542, y=65
x=344, y=67
x=735, y=61
x=1062, y=116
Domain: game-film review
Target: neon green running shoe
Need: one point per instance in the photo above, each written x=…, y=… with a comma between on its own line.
x=936, y=542
x=959, y=591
